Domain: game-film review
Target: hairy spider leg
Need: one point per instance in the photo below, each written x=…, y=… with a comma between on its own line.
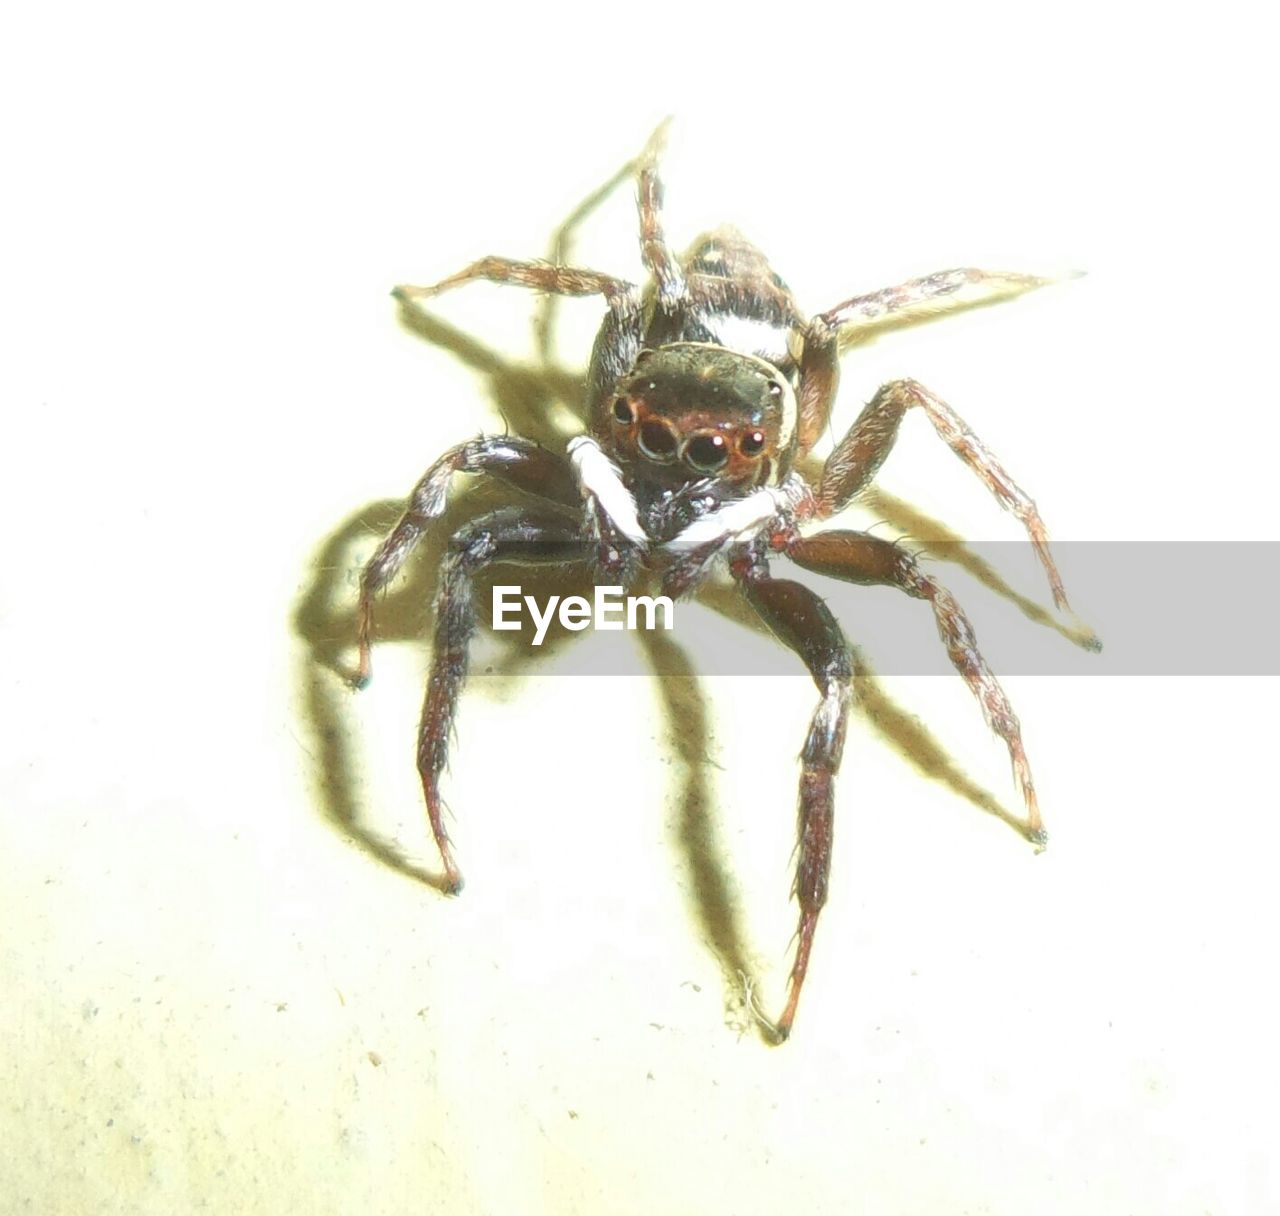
x=619, y=338
x=917, y=300
x=518, y=462
x=857, y=557
x=541, y=276
x=858, y=457
x=521, y=536
x=658, y=257
x=804, y=623
x=922, y=299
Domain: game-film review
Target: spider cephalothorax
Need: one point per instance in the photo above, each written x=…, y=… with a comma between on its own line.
x=697, y=410
x=704, y=390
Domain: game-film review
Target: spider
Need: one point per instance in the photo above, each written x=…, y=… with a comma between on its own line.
x=704, y=389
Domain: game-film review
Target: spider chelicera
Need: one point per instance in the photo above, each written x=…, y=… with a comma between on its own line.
x=703, y=391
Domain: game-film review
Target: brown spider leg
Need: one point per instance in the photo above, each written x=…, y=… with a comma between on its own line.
x=856, y=557
x=804, y=623
x=618, y=341
x=511, y=534
x=932, y=296
x=518, y=462
x=541, y=276
x=923, y=299
x=819, y=380
x=858, y=457
x=658, y=257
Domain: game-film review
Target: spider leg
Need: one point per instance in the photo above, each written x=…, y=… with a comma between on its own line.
x=511, y=534
x=618, y=341
x=934, y=295
x=857, y=557
x=923, y=299
x=658, y=257
x=518, y=462
x=819, y=380
x=804, y=623
x=541, y=276
x=858, y=457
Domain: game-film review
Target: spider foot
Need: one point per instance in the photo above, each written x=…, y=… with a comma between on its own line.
x=451, y=882
x=406, y=294
x=780, y=1031
x=363, y=673
x=1038, y=837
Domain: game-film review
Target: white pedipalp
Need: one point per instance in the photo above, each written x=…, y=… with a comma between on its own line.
x=742, y=519
x=599, y=477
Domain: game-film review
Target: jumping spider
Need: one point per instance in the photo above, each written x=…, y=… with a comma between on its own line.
x=704, y=390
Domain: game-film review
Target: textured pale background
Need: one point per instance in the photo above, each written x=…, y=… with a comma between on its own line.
x=216, y=997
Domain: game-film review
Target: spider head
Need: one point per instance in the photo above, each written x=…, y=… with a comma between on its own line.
x=697, y=411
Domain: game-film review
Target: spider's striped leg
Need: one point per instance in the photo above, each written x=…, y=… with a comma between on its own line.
x=819, y=380
x=658, y=257
x=517, y=535
x=856, y=557
x=802, y=621
x=858, y=457
x=518, y=462
x=923, y=299
x=540, y=276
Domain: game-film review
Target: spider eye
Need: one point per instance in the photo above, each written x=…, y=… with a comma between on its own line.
x=657, y=440
x=623, y=412
x=752, y=443
x=707, y=453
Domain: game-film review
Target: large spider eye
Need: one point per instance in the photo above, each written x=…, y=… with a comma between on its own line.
x=707, y=453
x=657, y=440
x=623, y=412
x=752, y=443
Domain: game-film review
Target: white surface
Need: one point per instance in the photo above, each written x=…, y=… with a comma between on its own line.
x=215, y=998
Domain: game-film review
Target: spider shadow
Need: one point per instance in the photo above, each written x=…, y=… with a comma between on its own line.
x=689, y=735
x=904, y=732
x=525, y=396
x=689, y=732
x=325, y=620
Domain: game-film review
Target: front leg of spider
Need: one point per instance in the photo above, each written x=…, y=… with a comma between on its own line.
x=858, y=457
x=515, y=535
x=804, y=623
x=521, y=464
x=856, y=557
